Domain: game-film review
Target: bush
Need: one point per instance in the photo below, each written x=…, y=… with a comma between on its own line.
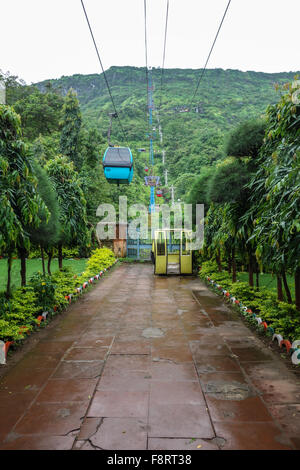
x=9, y=331
x=44, y=289
x=69, y=253
x=66, y=282
x=19, y=314
x=24, y=306
x=210, y=268
x=242, y=290
x=284, y=318
x=100, y=259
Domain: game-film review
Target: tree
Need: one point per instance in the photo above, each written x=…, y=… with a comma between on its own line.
x=217, y=240
x=246, y=139
x=71, y=124
x=45, y=148
x=277, y=212
x=48, y=232
x=20, y=205
x=182, y=183
x=198, y=193
x=40, y=113
x=227, y=188
x=91, y=145
x=244, y=143
x=16, y=88
x=71, y=201
x=93, y=183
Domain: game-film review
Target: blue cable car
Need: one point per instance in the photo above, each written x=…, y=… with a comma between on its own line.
x=118, y=165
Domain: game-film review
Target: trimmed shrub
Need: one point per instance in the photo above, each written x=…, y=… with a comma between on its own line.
x=282, y=317
x=44, y=289
x=100, y=259
x=19, y=314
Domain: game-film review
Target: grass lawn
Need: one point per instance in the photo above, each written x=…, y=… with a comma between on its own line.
x=268, y=281
x=34, y=265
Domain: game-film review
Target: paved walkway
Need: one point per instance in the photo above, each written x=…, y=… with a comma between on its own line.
x=147, y=362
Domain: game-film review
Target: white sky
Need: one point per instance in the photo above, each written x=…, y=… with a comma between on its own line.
x=43, y=39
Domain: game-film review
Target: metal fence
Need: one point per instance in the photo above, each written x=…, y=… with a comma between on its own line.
x=139, y=249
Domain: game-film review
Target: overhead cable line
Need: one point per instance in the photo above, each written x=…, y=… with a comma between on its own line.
x=149, y=85
x=146, y=58
x=211, y=49
x=150, y=109
x=146, y=47
x=104, y=74
x=164, y=55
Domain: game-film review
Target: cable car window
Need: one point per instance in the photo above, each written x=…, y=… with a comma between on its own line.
x=118, y=155
x=160, y=245
x=173, y=242
x=185, y=249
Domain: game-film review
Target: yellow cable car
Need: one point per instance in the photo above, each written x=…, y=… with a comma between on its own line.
x=171, y=250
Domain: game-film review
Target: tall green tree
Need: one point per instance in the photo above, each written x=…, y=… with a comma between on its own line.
x=277, y=182
x=70, y=128
x=40, y=113
x=16, y=88
x=244, y=143
x=47, y=234
x=246, y=139
x=182, y=183
x=20, y=204
x=72, y=204
x=94, y=185
x=227, y=188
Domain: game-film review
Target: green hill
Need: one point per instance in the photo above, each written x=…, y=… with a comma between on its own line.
x=191, y=139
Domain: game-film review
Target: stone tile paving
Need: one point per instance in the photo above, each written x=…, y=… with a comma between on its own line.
x=148, y=362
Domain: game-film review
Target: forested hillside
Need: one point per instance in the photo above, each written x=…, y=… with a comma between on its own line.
x=191, y=140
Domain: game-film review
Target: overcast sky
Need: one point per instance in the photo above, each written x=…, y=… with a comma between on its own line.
x=47, y=39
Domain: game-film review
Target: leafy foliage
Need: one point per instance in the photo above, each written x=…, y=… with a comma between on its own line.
x=9, y=331
x=227, y=183
x=246, y=139
x=191, y=140
x=283, y=317
x=71, y=124
x=65, y=281
x=47, y=234
x=100, y=258
x=21, y=206
x=277, y=227
x=40, y=113
x=19, y=314
x=71, y=200
x=44, y=288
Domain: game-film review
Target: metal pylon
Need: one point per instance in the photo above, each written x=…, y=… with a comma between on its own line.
x=151, y=155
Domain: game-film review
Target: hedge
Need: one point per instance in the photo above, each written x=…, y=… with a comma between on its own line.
x=33, y=306
x=260, y=308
